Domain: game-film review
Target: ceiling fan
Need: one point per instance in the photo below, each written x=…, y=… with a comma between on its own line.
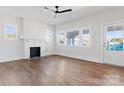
x=57, y=10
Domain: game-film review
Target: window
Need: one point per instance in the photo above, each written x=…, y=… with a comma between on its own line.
x=10, y=31
x=85, y=34
x=49, y=35
x=72, y=38
x=61, y=37
x=75, y=38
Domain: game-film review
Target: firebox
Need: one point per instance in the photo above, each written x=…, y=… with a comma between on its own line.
x=34, y=52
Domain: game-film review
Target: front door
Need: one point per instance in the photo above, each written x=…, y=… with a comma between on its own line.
x=114, y=44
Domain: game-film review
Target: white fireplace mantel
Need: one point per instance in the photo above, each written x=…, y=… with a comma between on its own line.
x=31, y=37
x=32, y=41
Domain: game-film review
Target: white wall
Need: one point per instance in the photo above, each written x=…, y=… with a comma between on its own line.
x=96, y=21
x=34, y=28
x=10, y=49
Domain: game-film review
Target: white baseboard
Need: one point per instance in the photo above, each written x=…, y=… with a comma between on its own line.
x=96, y=60
x=48, y=54
x=11, y=59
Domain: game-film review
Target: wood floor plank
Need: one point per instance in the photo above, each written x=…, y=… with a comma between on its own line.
x=59, y=71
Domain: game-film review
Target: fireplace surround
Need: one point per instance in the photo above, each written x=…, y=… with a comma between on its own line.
x=33, y=42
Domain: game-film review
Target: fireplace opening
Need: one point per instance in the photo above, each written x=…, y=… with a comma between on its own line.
x=34, y=52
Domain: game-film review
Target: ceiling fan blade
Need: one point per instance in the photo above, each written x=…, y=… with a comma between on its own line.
x=67, y=10
x=49, y=9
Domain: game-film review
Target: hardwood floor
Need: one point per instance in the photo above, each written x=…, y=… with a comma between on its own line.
x=59, y=70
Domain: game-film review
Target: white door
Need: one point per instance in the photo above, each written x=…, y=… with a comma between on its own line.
x=114, y=44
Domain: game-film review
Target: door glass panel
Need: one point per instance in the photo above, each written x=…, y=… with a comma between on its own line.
x=114, y=36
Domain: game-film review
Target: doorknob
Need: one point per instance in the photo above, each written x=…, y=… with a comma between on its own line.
x=105, y=44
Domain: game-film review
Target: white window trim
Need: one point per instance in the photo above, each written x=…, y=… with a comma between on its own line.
x=90, y=30
x=58, y=44
x=17, y=30
x=51, y=37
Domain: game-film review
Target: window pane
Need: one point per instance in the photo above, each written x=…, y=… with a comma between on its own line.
x=72, y=38
x=61, y=38
x=115, y=39
x=49, y=35
x=10, y=31
x=85, y=37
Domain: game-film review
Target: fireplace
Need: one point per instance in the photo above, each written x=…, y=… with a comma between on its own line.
x=34, y=52
x=34, y=47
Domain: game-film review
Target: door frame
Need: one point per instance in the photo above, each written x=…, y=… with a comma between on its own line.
x=103, y=38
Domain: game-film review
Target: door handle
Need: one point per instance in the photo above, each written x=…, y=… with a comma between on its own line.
x=104, y=45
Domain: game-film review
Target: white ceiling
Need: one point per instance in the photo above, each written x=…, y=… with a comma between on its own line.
x=39, y=13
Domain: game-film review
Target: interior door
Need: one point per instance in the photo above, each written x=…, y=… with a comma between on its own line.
x=114, y=44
